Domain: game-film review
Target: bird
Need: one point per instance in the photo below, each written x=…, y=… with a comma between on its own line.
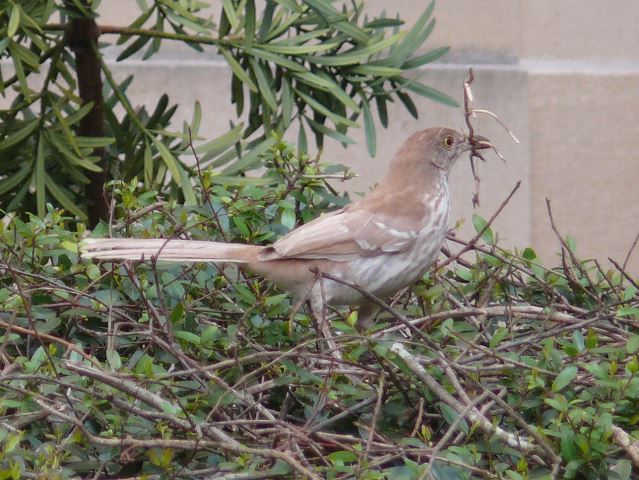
x=382, y=243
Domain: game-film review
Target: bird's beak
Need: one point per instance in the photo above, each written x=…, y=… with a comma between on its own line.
x=478, y=142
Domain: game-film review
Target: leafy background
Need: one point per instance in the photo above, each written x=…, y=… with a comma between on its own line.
x=306, y=64
x=492, y=366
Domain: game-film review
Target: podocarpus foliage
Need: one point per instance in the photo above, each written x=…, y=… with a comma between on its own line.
x=296, y=62
x=163, y=371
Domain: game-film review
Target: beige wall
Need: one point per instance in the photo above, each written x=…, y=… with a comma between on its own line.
x=563, y=74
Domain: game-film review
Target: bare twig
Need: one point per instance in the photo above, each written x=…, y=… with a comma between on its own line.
x=470, y=112
x=471, y=243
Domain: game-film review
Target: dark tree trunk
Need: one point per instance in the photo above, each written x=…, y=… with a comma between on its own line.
x=83, y=35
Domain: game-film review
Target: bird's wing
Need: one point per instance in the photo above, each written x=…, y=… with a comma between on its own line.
x=342, y=236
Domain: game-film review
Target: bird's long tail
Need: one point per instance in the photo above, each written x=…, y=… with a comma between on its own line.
x=167, y=250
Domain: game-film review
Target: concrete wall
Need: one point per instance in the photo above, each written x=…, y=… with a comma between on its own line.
x=563, y=74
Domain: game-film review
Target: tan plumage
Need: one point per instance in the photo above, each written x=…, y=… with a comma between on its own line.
x=383, y=242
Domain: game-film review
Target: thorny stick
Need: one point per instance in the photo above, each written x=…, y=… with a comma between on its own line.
x=476, y=238
x=474, y=153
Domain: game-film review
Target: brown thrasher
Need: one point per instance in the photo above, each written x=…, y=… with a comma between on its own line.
x=382, y=243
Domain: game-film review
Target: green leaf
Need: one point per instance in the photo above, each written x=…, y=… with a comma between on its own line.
x=377, y=70
x=632, y=345
x=558, y=404
x=450, y=415
x=356, y=56
x=249, y=23
x=237, y=69
x=39, y=179
x=177, y=314
x=425, y=58
x=408, y=104
x=14, y=21
x=4, y=43
x=369, y=129
x=188, y=337
x=302, y=142
x=221, y=143
x=564, y=378
x=384, y=23
x=299, y=49
x=287, y=218
x=93, y=142
x=58, y=142
x=429, y=92
x=24, y=55
x=480, y=223
x=168, y=158
x=324, y=110
x=267, y=19
x=251, y=158
x=277, y=59
x=415, y=37
x=341, y=457
x=382, y=112
x=11, y=442
x=79, y=114
x=287, y=100
x=63, y=197
x=498, y=336
x=290, y=5
x=264, y=84
x=328, y=85
x=134, y=47
x=628, y=312
x=329, y=132
x=231, y=15
x=18, y=136
x=113, y=358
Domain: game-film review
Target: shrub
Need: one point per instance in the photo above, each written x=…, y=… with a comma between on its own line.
x=494, y=366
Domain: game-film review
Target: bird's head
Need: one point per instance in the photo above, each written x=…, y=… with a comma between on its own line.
x=443, y=146
x=427, y=157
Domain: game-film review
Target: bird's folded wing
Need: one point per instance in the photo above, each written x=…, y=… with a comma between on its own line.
x=343, y=235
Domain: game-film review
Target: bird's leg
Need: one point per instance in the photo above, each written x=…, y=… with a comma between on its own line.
x=318, y=311
x=366, y=316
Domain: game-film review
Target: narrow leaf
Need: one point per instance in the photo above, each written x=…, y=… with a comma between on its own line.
x=14, y=21
x=429, y=92
x=287, y=103
x=229, y=10
x=61, y=196
x=329, y=132
x=249, y=23
x=251, y=158
x=324, y=110
x=425, y=58
x=237, y=69
x=39, y=179
x=355, y=56
x=221, y=143
x=264, y=84
x=369, y=129
x=18, y=136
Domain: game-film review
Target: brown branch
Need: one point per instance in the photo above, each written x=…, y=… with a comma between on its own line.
x=628, y=443
x=129, y=442
x=471, y=244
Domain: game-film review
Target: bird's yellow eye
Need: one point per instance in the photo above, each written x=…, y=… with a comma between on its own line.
x=448, y=141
